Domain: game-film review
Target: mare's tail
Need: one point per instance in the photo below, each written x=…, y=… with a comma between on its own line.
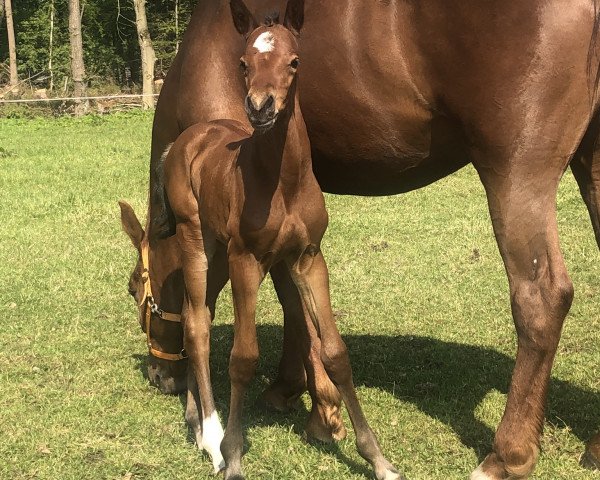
x=162, y=218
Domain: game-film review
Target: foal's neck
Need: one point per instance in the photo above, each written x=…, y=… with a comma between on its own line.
x=285, y=150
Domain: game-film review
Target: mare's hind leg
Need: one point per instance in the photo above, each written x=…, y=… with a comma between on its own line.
x=310, y=275
x=205, y=424
x=522, y=203
x=586, y=169
x=301, y=365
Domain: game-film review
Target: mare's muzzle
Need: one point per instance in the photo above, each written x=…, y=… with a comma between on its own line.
x=261, y=111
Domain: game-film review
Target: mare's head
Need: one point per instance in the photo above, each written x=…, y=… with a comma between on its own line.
x=270, y=62
x=166, y=282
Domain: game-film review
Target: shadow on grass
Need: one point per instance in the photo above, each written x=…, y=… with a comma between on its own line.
x=445, y=380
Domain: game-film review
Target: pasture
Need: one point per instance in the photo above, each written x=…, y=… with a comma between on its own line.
x=417, y=284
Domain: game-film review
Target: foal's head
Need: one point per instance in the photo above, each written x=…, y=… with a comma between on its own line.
x=169, y=376
x=270, y=62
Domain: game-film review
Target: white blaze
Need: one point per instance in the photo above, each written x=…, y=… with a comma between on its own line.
x=265, y=42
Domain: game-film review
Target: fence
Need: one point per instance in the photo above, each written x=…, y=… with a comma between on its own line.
x=103, y=103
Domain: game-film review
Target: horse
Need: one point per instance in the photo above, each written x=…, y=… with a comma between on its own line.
x=398, y=94
x=242, y=202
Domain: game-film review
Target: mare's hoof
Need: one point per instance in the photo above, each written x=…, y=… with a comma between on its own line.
x=591, y=457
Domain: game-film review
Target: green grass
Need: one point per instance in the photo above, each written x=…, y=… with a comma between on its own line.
x=416, y=279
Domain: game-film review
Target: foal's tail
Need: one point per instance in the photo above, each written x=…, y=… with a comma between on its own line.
x=162, y=218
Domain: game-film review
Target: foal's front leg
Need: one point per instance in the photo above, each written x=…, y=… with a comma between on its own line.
x=312, y=279
x=246, y=274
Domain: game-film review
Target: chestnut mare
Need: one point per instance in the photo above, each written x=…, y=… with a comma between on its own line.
x=397, y=94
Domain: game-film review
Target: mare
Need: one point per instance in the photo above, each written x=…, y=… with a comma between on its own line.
x=399, y=93
x=242, y=202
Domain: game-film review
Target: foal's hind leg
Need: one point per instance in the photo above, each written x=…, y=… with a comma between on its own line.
x=586, y=169
x=204, y=423
x=311, y=277
x=301, y=365
x=522, y=203
x=246, y=275
x=196, y=319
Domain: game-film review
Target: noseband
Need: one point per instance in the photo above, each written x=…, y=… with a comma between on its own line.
x=151, y=307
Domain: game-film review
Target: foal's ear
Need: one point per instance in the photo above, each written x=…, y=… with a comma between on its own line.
x=242, y=18
x=294, y=15
x=131, y=224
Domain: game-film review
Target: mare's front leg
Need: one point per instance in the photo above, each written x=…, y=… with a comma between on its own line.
x=196, y=319
x=207, y=428
x=522, y=200
x=310, y=275
x=301, y=366
x=246, y=275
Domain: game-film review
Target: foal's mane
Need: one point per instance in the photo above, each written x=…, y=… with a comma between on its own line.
x=271, y=19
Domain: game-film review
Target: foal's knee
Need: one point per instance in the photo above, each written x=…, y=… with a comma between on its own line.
x=242, y=366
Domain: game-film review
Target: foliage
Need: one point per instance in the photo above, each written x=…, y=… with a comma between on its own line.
x=111, y=51
x=417, y=283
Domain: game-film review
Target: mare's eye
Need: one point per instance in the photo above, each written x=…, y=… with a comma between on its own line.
x=244, y=67
x=294, y=63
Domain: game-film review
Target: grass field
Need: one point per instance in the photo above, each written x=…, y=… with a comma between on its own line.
x=416, y=279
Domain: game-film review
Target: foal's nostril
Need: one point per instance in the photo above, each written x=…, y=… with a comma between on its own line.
x=249, y=105
x=268, y=105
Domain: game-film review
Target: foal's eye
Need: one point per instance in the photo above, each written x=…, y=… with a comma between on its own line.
x=294, y=63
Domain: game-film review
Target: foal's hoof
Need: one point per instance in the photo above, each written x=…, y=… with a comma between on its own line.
x=389, y=473
x=591, y=457
x=325, y=424
x=282, y=398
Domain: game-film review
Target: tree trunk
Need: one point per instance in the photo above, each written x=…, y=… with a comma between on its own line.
x=176, y=26
x=147, y=53
x=77, y=65
x=50, y=45
x=12, y=47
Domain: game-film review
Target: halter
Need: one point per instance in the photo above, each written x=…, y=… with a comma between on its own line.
x=152, y=308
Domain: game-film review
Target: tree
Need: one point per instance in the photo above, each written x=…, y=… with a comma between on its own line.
x=77, y=65
x=12, y=47
x=147, y=53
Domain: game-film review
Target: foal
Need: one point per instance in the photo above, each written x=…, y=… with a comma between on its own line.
x=257, y=196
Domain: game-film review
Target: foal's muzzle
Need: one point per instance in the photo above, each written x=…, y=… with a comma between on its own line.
x=261, y=111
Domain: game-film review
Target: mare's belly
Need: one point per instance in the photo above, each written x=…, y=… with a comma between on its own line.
x=381, y=157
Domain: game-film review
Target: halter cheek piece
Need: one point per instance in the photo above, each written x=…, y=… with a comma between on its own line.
x=152, y=308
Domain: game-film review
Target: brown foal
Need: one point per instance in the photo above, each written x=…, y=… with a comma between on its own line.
x=253, y=200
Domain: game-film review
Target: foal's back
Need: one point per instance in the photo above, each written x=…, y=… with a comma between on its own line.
x=201, y=163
